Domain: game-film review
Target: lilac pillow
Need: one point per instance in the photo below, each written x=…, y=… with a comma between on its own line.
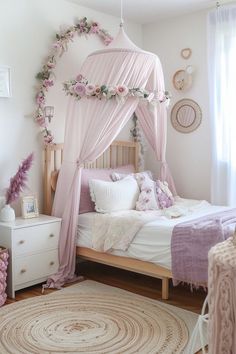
x=164, y=196
x=104, y=174
x=154, y=195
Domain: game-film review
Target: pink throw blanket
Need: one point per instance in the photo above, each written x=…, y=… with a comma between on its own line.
x=191, y=242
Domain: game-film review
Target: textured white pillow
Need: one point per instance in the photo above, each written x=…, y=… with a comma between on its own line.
x=114, y=196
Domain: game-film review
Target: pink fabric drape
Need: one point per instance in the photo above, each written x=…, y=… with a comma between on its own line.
x=92, y=125
x=154, y=124
x=91, y=140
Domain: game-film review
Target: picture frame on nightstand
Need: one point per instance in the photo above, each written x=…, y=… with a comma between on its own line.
x=29, y=207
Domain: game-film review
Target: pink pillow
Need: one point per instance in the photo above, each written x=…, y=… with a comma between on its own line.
x=104, y=174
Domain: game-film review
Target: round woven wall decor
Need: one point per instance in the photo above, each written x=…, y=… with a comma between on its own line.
x=186, y=116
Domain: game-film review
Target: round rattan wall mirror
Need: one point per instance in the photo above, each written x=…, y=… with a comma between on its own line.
x=186, y=116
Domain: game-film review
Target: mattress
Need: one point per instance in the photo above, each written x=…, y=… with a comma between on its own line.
x=153, y=241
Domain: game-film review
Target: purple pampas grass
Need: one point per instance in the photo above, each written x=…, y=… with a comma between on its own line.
x=18, y=182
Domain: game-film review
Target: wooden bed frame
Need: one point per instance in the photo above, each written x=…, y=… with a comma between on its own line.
x=119, y=153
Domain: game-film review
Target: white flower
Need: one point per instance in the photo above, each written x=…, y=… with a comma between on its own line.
x=71, y=89
x=138, y=94
x=150, y=97
x=111, y=91
x=90, y=89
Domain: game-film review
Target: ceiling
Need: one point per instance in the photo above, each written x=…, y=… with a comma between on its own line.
x=147, y=11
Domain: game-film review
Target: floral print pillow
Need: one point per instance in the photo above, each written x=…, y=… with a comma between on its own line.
x=140, y=176
x=154, y=195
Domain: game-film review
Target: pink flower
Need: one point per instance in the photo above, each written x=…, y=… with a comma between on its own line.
x=50, y=64
x=94, y=27
x=79, y=77
x=90, y=89
x=108, y=40
x=82, y=27
x=48, y=83
x=122, y=90
x=40, y=99
x=48, y=139
x=41, y=121
x=57, y=45
x=79, y=89
x=97, y=90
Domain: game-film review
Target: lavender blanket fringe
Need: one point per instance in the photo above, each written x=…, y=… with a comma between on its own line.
x=191, y=242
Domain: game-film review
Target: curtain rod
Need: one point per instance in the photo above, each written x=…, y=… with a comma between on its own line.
x=223, y=2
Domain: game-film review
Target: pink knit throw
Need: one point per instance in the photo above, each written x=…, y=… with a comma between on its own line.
x=3, y=274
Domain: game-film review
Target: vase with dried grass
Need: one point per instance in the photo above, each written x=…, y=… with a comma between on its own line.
x=17, y=184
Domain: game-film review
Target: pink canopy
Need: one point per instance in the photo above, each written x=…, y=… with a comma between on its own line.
x=93, y=124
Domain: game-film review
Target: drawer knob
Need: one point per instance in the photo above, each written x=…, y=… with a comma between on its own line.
x=51, y=235
x=51, y=263
x=21, y=242
x=23, y=271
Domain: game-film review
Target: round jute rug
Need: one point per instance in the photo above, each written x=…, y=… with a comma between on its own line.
x=91, y=323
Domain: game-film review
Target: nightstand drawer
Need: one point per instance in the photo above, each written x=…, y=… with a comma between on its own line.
x=35, y=266
x=36, y=238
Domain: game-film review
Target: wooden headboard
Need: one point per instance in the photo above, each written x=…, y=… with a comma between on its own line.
x=118, y=154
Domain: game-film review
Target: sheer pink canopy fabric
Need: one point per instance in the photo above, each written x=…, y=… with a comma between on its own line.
x=93, y=124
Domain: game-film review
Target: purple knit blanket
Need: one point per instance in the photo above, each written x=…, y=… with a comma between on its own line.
x=191, y=242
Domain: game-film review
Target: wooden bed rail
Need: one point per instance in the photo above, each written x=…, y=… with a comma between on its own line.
x=131, y=264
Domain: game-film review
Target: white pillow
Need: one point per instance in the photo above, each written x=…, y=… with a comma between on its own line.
x=114, y=196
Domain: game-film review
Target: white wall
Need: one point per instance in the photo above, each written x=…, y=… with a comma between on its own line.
x=27, y=30
x=188, y=154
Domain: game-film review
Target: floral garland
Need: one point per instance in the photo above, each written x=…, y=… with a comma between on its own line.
x=45, y=76
x=80, y=87
x=137, y=135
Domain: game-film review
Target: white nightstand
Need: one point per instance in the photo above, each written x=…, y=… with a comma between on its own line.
x=33, y=249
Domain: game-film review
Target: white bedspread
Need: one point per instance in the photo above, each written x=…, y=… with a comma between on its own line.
x=152, y=242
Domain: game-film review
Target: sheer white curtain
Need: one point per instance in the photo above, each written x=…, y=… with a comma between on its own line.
x=222, y=86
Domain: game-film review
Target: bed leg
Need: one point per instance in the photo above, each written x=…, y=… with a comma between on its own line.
x=165, y=289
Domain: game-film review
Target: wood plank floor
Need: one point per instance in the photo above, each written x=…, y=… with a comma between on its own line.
x=180, y=296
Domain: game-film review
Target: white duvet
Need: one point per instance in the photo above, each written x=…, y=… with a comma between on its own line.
x=150, y=239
